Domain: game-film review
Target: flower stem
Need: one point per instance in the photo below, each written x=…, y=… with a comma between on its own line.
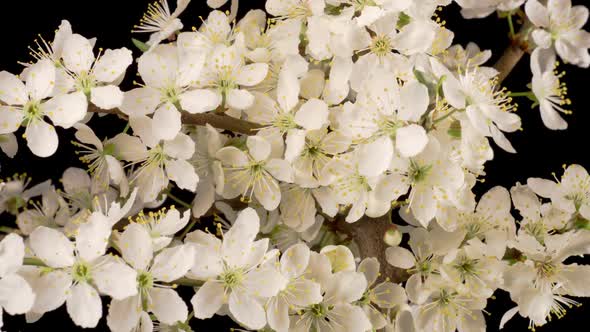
x=511, y=26
x=189, y=227
x=6, y=229
x=188, y=282
x=520, y=94
x=126, y=128
x=178, y=200
x=33, y=261
x=436, y=121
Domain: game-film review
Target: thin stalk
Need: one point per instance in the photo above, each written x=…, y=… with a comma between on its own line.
x=178, y=200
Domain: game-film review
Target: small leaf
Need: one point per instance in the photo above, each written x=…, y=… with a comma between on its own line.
x=140, y=45
x=455, y=129
x=403, y=20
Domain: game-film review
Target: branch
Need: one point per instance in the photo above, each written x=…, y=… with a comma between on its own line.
x=218, y=121
x=368, y=235
x=512, y=55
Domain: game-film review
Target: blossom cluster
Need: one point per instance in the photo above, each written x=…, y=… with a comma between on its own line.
x=341, y=111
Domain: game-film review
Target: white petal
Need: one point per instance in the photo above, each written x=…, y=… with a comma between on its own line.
x=107, y=97
x=181, y=147
x=312, y=115
x=124, y=314
x=537, y=13
x=204, y=199
x=183, y=174
x=136, y=246
x=168, y=307
x=12, y=252
x=84, y=305
x=112, y=65
x=115, y=278
x=247, y=310
x=140, y=101
x=258, y=147
x=52, y=247
x=166, y=122
x=173, y=263
x=252, y=74
x=40, y=79
x=41, y=138
x=158, y=68
x=93, y=237
x=240, y=99
x=10, y=119
x=551, y=118
x=277, y=313
x=66, y=110
x=294, y=260
x=501, y=140
x=280, y=169
x=508, y=316
x=295, y=142
x=264, y=282
x=208, y=300
x=370, y=268
x=414, y=101
x=200, y=101
x=374, y=158
x=411, y=140
x=346, y=287
x=172, y=223
x=400, y=257
x=238, y=240
x=16, y=296
x=312, y=83
x=12, y=90
x=77, y=54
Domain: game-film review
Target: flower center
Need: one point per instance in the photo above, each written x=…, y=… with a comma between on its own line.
x=32, y=111
x=418, y=173
x=389, y=128
x=232, y=278
x=85, y=83
x=145, y=281
x=381, y=46
x=466, y=267
x=81, y=272
x=319, y=310
x=284, y=122
x=13, y=204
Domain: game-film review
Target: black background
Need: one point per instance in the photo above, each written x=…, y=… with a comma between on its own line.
x=540, y=151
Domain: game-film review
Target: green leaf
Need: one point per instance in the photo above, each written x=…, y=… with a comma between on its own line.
x=140, y=45
x=455, y=129
x=403, y=20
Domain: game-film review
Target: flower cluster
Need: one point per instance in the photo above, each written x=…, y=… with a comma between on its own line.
x=286, y=128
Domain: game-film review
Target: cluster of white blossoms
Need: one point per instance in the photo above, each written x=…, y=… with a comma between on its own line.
x=288, y=126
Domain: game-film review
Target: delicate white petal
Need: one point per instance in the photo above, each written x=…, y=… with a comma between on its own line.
x=40, y=79
x=252, y=74
x=158, y=68
x=12, y=252
x=112, y=65
x=41, y=138
x=400, y=257
x=199, y=101
x=414, y=101
x=208, y=300
x=312, y=115
x=136, y=246
x=84, y=305
x=107, y=97
x=166, y=122
x=240, y=99
x=16, y=296
x=93, y=237
x=294, y=260
x=183, y=174
x=51, y=290
x=173, y=263
x=52, y=247
x=258, y=147
x=10, y=119
x=168, y=307
x=77, y=54
x=247, y=310
x=374, y=158
x=124, y=314
x=12, y=90
x=238, y=240
x=140, y=101
x=115, y=278
x=411, y=140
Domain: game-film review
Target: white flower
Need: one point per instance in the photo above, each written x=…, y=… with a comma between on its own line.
x=215, y=30
x=225, y=75
x=385, y=295
x=539, y=284
x=209, y=141
x=549, y=91
x=170, y=264
x=52, y=212
x=489, y=109
x=169, y=75
x=254, y=173
x=230, y=268
x=9, y=145
x=79, y=273
x=164, y=161
x=559, y=26
x=483, y=8
x=25, y=104
x=571, y=194
x=103, y=158
x=160, y=22
x=53, y=50
x=96, y=77
x=298, y=293
x=16, y=296
x=162, y=225
x=14, y=194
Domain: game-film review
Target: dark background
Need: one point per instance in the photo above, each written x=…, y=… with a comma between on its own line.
x=540, y=150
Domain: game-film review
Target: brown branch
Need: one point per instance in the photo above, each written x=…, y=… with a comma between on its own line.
x=216, y=120
x=513, y=53
x=368, y=235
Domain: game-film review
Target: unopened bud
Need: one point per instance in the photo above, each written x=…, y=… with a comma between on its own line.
x=393, y=237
